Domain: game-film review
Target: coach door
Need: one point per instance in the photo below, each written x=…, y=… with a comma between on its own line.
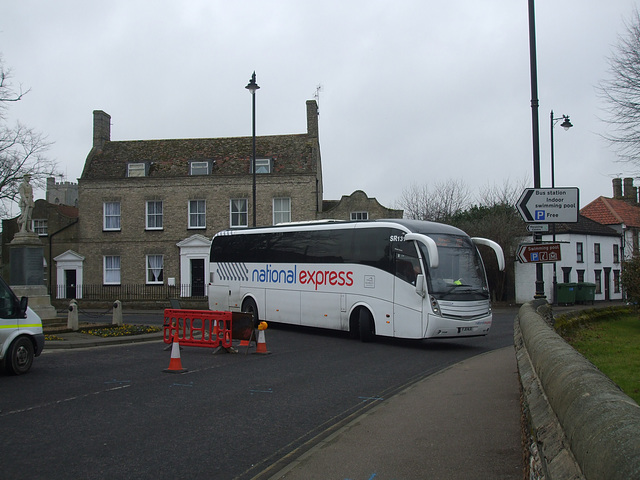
x=407, y=308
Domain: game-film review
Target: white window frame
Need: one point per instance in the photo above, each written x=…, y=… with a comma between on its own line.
x=263, y=165
x=136, y=170
x=39, y=226
x=361, y=215
x=111, y=216
x=199, y=168
x=153, y=219
x=111, y=274
x=197, y=218
x=281, y=210
x=155, y=269
x=236, y=216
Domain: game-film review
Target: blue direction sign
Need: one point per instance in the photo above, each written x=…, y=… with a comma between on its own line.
x=549, y=205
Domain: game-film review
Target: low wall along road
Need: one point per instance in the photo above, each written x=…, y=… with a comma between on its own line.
x=578, y=423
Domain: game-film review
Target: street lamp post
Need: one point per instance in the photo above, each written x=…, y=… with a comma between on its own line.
x=566, y=124
x=537, y=238
x=252, y=86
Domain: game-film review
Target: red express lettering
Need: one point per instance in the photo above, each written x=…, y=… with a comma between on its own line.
x=326, y=277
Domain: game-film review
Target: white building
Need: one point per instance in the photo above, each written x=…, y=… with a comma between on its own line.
x=590, y=253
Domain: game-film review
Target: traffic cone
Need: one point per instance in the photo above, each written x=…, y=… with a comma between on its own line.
x=261, y=346
x=175, y=365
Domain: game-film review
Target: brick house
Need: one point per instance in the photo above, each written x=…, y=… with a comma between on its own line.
x=149, y=208
x=621, y=213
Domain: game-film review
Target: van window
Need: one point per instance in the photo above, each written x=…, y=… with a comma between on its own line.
x=7, y=301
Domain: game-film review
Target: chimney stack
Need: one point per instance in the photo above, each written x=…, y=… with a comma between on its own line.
x=101, y=129
x=630, y=192
x=617, y=188
x=312, y=118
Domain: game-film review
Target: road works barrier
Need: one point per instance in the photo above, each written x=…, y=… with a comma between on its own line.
x=206, y=328
x=578, y=423
x=198, y=328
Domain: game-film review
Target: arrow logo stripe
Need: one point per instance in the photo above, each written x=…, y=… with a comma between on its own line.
x=528, y=193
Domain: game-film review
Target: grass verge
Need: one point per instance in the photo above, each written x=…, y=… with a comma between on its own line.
x=611, y=342
x=105, y=331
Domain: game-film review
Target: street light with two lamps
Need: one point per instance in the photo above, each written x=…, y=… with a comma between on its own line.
x=566, y=124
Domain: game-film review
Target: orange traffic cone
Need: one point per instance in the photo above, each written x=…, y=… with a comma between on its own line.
x=261, y=346
x=175, y=365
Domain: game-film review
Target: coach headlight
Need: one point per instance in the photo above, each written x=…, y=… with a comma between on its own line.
x=435, y=308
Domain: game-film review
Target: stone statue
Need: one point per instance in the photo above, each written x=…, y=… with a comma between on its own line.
x=26, y=204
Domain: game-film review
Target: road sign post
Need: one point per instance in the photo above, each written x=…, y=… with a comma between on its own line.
x=539, y=207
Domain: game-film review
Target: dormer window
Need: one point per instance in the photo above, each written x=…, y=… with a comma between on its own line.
x=136, y=170
x=263, y=165
x=199, y=168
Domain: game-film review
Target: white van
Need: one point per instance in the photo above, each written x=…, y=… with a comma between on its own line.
x=21, y=335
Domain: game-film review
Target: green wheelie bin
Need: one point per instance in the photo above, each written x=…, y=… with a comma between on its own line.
x=566, y=293
x=585, y=292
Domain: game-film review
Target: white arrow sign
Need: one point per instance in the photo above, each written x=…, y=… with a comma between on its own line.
x=549, y=205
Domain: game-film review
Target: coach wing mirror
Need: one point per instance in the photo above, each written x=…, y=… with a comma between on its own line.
x=430, y=244
x=496, y=248
x=420, y=288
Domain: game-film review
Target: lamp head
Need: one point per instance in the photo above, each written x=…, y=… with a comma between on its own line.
x=252, y=86
x=567, y=123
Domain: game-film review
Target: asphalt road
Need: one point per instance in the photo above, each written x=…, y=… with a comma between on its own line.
x=112, y=412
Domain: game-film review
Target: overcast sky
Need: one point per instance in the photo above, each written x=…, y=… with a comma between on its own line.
x=412, y=91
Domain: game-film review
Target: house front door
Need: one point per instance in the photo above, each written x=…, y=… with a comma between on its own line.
x=70, y=283
x=607, y=281
x=197, y=277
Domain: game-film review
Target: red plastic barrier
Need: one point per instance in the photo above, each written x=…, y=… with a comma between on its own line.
x=198, y=328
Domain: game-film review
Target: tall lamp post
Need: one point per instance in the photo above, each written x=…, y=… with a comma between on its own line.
x=537, y=238
x=566, y=124
x=252, y=86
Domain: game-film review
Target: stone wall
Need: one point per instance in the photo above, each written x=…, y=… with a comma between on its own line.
x=579, y=424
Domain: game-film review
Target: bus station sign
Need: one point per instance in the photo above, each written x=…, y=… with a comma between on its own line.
x=539, y=252
x=549, y=205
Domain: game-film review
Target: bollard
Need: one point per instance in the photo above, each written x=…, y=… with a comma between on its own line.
x=72, y=317
x=117, y=313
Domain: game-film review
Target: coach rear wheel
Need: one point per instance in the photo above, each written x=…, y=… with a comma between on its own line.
x=249, y=306
x=366, y=326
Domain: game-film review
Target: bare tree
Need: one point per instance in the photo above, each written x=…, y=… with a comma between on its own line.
x=22, y=149
x=437, y=204
x=621, y=92
x=505, y=193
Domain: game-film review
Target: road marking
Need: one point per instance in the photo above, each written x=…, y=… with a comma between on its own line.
x=190, y=384
x=261, y=391
x=58, y=402
x=366, y=399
